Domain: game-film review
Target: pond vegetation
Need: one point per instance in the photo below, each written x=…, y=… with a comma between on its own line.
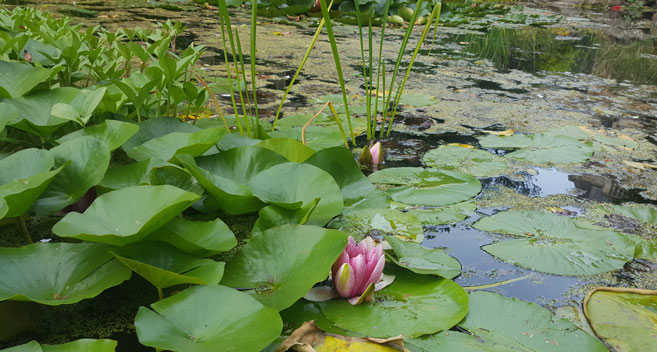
x=455, y=189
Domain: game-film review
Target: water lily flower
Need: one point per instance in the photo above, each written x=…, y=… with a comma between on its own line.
x=377, y=153
x=616, y=8
x=358, y=269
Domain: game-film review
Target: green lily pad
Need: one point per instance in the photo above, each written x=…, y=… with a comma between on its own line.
x=626, y=319
x=113, y=132
x=317, y=137
x=16, y=79
x=196, y=237
x=645, y=248
x=421, y=260
x=555, y=244
x=413, y=305
x=164, y=266
x=135, y=174
x=58, y=273
x=380, y=221
x=524, y=325
x=429, y=187
x=442, y=215
x=453, y=341
x=207, y=319
x=168, y=146
x=156, y=128
x=88, y=158
x=583, y=133
x=9, y=114
x=282, y=263
x=646, y=214
x=541, y=148
x=225, y=176
x=291, y=149
x=127, y=215
x=340, y=163
x=472, y=161
x=24, y=176
x=291, y=185
x=175, y=175
x=83, y=345
x=273, y=215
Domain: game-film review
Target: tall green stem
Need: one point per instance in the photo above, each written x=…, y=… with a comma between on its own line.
x=224, y=20
x=254, y=15
x=21, y=221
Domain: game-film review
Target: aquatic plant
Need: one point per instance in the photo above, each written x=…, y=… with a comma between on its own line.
x=358, y=269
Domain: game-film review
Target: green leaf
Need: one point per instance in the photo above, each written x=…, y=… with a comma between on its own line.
x=83, y=345
x=113, y=132
x=225, y=176
x=189, y=322
x=273, y=215
x=58, y=273
x=24, y=175
x=524, y=325
x=284, y=262
x=627, y=321
x=541, y=148
x=453, y=341
x=443, y=215
x=413, y=305
x=317, y=137
x=168, y=146
x=16, y=79
x=430, y=187
x=195, y=237
x=555, y=244
x=644, y=213
x=155, y=128
x=472, y=161
x=88, y=158
x=127, y=215
x=421, y=260
x=135, y=174
x=291, y=149
x=164, y=266
x=175, y=175
x=291, y=185
x=380, y=221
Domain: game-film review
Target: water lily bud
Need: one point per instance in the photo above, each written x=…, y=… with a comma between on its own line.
x=357, y=268
x=377, y=153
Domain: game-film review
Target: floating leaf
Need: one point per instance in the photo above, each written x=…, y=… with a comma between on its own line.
x=208, y=318
x=624, y=318
x=476, y=162
x=196, y=237
x=524, y=326
x=430, y=187
x=273, y=215
x=413, y=305
x=291, y=149
x=380, y=222
x=317, y=137
x=282, y=263
x=555, y=244
x=126, y=215
x=155, y=128
x=542, y=148
x=113, y=132
x=443, y=215
x=17, y=78
x=83, y=345
x=164, y=266
x=421, y=260
x=291, y=185
x=58, y=273
x=172, y=144
x=454, y=341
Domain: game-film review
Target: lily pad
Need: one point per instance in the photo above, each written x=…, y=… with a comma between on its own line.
x=168, y=146
x=442, y=215
x=555, y=244
x=291, y=149
x=83, y=345
x=284, y=262
x=127, y=215
x=421, y=260
x=188, y=322
x=626, y=319
x=453, y=341
x=58, y=273
x=317, y=137
x=135, y=174
x=156, y=128
x=88, y=158
x=273, y=215
x=17, y=79
x=164, y=266
x=380, y=221
x=175, y=175
x=291, y=185
x=476, y=162
x=541, y=148
x=646, y=214
x=524, y=325
x=225, y=176
x=413, y=305
x=113, y=132
x=24, y=175
x=196, y=237
x=431, y=187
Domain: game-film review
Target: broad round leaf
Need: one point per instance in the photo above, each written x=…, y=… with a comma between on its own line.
x=175, y=175
x=476, y=162
x=542, y=148
x=83, y=345
x=555, y=244
x=18, y=78
x=291, y=149
x=524, y=325
x=273, y=215
x=317, y=137
x=380, y=222
x=24, y=175
x=36, y=109
x=208, y=319
x=429, y=187
x=421, y=260
x=164, y=266
x=284, y=262
x=413, y=305
x=168, y=146
x=88, y=158
x=292, y=185
x=646, y=214
x=443, y=215
x=113, y=132
x=453, y=341
x=126, y=215
x=135, y=174
x=155, y=128
x=58, y=273
x=196, y=237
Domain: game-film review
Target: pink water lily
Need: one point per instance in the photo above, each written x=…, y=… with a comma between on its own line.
x=377, y=153
x=358, y=269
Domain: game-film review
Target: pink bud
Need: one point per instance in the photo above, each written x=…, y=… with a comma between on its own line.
x=358, y=267
x=377, y=153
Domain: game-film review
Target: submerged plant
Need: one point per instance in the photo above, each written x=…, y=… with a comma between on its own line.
x=358, y=269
